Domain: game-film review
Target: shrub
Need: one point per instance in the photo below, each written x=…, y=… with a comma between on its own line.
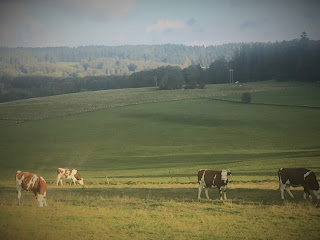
x=246, y=97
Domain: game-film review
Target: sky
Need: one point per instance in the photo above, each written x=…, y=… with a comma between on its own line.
x=49, y=23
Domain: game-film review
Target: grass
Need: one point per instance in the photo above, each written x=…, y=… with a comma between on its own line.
x=180, y=136
x=78, y=103
x=151, y=153
x=300, y=95
x=66, y=64
x=158, y=213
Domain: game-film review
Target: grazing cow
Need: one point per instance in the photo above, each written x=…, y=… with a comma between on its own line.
x=296, y=177
x=73, y=174
x=31, y=182
x=210, y=178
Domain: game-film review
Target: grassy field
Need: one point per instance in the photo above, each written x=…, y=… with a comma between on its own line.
x=151, y=144
x=67, y=64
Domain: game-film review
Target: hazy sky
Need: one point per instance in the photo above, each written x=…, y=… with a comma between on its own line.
x=122, y=22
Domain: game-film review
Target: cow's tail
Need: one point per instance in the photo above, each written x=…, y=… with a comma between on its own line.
x=279, y=177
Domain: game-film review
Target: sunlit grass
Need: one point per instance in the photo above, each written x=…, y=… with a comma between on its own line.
x=170, y=212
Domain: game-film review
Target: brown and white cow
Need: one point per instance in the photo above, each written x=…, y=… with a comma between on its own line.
x=31, y=182
x=210, y=178
x=296, y=177
x=65, y=173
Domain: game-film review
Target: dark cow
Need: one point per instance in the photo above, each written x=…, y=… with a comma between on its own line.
x=66, y=173
x=210, y=178
x=296, y=177
x=31, y=182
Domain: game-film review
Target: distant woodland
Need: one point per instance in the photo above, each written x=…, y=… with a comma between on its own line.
x=105, y=60
x=37, y=72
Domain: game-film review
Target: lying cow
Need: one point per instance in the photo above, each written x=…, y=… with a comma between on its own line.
x=296, y=177
x=32, y=183
x=73, y=174
x=210, y=178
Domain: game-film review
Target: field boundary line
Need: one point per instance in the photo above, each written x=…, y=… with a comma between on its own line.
x=267, y=104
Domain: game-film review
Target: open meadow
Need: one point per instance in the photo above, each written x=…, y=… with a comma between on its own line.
x=139, y=151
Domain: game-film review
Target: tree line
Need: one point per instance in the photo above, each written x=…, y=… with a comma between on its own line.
x=106, y=60
x=165, y=78
x=295, y=60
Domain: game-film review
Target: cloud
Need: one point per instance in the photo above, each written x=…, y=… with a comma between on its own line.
x=257, y=24
x=205, y=43
x=17, y=24
x=99, y=10
x=248, y=24
x=166, y=25
x=191, y=21
x=24, y=23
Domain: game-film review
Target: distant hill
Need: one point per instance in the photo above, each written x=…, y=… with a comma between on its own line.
x=107, y=60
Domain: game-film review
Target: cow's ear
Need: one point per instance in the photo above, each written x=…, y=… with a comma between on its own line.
x=45, y=198
x=35, y=197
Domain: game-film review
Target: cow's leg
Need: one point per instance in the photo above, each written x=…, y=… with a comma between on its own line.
x=306, y=191
x=206, y=190
x=19, y=188
x=281, y=191
x=19, y=197
x=74, y=180
x=45, y=201
x=220, y=192
x=317, y=193
x=224, y=190
x=281, y=188
x=58, y=179
x=199, y=191
x=201, y=185
x=287, y=187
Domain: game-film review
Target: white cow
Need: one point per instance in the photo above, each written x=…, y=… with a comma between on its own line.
x=65, y=173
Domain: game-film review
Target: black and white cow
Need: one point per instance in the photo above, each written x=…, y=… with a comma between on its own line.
x=210, y=178
x=296, y=177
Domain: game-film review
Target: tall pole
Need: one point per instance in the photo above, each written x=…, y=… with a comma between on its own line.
x=156, y=80
x=231, y=75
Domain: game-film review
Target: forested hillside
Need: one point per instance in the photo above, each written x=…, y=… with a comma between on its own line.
x=106, y=60
x=31, y=72
x=288, y=60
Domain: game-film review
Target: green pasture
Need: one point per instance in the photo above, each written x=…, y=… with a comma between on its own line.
x=66, y=64
x=159, y=139
x=150, y=145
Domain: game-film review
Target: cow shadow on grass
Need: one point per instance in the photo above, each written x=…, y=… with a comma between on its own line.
x=96, y=196
x=241, y=196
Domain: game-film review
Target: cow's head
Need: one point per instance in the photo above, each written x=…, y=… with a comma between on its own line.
x=81, y=181
x=312, y=183
x=224, y=176
x=41, y=200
